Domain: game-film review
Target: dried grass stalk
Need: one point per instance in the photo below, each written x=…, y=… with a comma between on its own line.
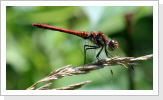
x=68, y=71
x=72, y=87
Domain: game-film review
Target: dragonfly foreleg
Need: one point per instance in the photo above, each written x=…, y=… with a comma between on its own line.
x=107, y=53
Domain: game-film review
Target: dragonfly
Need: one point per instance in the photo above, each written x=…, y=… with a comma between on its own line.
x=99, y=39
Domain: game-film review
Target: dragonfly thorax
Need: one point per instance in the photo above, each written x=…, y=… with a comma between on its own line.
x=97, y=38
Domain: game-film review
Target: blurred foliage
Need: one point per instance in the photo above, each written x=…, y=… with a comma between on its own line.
x=32, y=53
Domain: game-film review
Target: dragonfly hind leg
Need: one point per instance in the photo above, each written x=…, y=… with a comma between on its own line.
x=87, y=47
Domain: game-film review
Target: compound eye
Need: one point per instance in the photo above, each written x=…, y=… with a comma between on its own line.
x=112, y=45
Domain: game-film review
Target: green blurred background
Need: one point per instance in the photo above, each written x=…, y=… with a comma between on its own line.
x=32, y=53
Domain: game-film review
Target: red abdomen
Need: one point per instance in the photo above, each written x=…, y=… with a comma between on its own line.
x=82, y=34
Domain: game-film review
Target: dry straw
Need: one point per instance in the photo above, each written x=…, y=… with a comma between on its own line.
x=69, y=71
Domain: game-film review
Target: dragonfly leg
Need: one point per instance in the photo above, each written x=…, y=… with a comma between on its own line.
x=107, y=53
x=97, y=56
x=87, y=47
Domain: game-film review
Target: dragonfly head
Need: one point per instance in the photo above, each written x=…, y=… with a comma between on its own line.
x=112, y=45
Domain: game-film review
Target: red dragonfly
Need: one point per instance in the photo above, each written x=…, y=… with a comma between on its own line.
x=98, y=38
